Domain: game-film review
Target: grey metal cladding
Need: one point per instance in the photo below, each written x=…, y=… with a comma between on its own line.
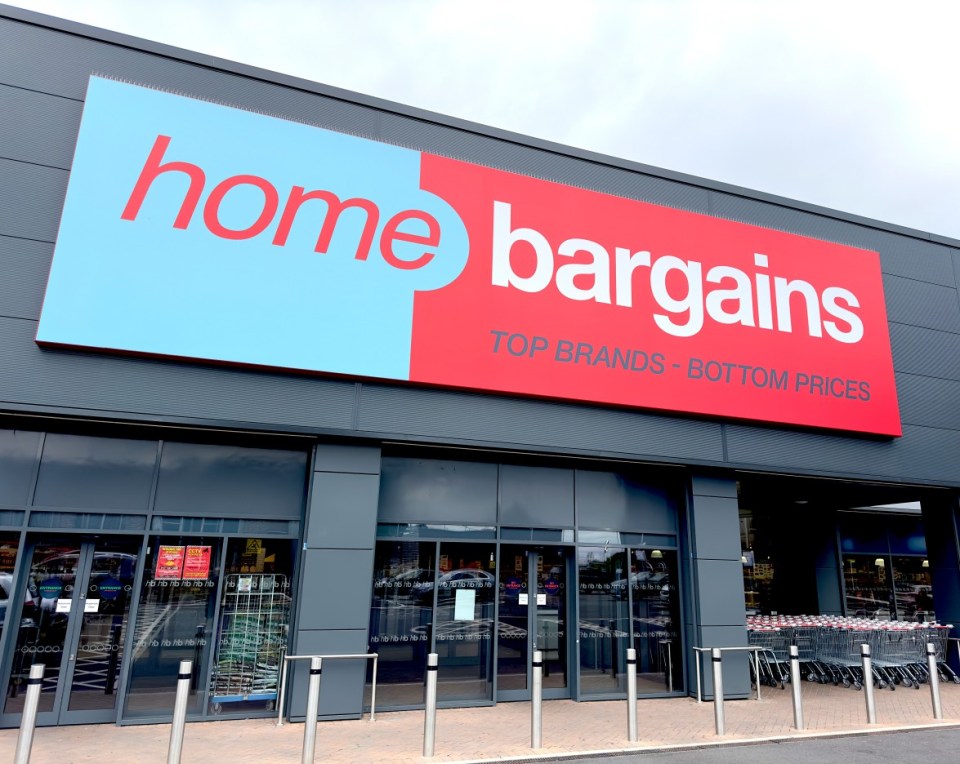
x=31, y=200
x=920, y=303
x=929, y=401
x=917, y=350
x=25, y=265
x=541, y=424
x=23, y=67
x=900, y=255
x=37, y=127
x=923, y=454
x=73, y=379
x=538, y=163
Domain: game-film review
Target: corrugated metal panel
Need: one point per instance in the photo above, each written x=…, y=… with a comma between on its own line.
x=538, y=163
x=929, y=401
x=520, y=423
x=899, y=255
x=29, y=375
x=37, y=127
x=31, y=199
x=925, y=351
x=920, y=303
x=922, y=454
x=49, y=72
x=25, y=265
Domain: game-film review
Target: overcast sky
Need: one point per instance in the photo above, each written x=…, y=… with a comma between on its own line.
x=848, y=104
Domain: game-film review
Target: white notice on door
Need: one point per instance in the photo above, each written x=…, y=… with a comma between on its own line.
x=541, y=599
x=91, y=606
x=522, y=599
x=63, y=606
x=463, y=608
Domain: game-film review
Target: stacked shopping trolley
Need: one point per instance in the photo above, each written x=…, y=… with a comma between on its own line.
x=829, y=650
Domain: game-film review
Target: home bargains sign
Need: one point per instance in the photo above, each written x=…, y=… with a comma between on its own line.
x=193, y=230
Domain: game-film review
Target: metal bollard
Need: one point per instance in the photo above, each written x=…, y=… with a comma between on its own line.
x=631, y=695
x=868, y=683
x=934, y=680
x=795, y=687
x=717, y=689
x=179, y=712
x=28, y=720
x=536, y=705
x=430, y=715
x=313, y=710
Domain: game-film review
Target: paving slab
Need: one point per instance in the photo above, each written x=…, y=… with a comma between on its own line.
x=498, y=733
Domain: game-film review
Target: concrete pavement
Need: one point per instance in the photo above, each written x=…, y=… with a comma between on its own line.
x=498, y=733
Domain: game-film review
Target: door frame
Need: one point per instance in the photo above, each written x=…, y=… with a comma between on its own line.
x=533, y=552
x=60, y=714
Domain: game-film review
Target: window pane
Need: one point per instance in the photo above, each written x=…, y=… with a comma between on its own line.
x=914, y=589
x=464, y=630
x=254, y=621
x=18, y=454
x=175, y=621
x=230, y=481
x=604, y=619
x=401, y=619
x=867, y=588
x=101, y=473
x=536, y=496
x=414, y=490
x=9, y=544
x=656, y=620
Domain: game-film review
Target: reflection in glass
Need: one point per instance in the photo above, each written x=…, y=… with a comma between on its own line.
x=44, y=618
x=512, y=638
x=253, y=626
x=464, y=621
x=401, y=619
x=655, y=602
x=867, y=586
x=9, y=543
x=913, y=588
x=604, y=622
x=174, y=622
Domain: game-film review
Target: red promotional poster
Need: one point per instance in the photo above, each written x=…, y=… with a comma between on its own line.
x=196, y=565
x=169, y=562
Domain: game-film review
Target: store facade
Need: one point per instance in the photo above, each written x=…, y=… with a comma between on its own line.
x=276, y=380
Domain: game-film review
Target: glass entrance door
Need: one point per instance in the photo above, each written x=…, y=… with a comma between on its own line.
x=533, y=615
x=74, y=618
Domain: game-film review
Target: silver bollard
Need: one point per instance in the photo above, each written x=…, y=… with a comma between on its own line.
x=717, y=689
x=430, y=715
x=934, y=680
x=631, y=695
x=795, y=687
x=313, y=710
x=868, y=683
x=536, y=706
x=179, y=712
x=28, y=720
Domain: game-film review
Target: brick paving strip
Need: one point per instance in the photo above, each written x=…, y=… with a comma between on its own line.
x=499, y=733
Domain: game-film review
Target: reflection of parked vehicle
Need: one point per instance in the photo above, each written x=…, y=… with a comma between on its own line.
x=463, y=578
x=405, y=580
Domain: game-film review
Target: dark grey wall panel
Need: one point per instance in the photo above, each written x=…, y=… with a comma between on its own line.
x=38, y=128
x=350, y=459
x=344, y=510
x=28, y=63
x=920, y=303
x=25, y=265
x=929, y=401
x=925, y=351
x=438, y=490
x=540, y=497
x=899, y=255
x=337, y=592
x=923, y=454
x=31, y=376
x=440, y=414
x=18, y=457
x=31, y=199
x=606, y=500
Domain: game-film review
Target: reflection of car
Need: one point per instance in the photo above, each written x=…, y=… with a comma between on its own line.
x=406, y=579
x=463, y=578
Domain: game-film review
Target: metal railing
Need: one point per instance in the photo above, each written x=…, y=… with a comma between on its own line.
x=743, y=649
x=358, y=656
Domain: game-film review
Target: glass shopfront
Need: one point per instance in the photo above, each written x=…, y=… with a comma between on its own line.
x=467, y=566
x=124, y=557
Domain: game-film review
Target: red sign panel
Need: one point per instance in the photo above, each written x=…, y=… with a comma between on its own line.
x=580, y=295
x=196, y=563
x=169, y=562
